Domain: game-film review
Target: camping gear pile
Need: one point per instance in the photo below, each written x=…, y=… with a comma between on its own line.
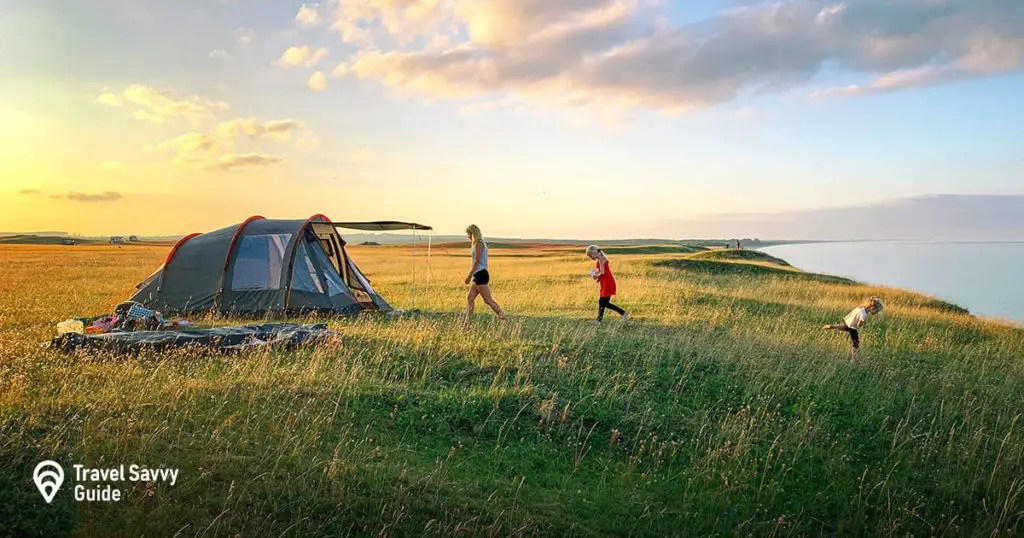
x=283, y=336
x=133, y=328
x=128, y=316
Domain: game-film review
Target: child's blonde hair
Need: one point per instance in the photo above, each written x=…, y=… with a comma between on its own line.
x=474, y=231
x=592, y=250
x=874, y=302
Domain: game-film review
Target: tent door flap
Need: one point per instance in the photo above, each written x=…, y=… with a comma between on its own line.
x=334, y=245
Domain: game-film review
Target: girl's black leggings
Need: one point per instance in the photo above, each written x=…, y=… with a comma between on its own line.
x=854, y=336
x=606, y=302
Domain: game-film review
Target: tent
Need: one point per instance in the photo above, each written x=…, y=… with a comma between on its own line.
x=265, y=266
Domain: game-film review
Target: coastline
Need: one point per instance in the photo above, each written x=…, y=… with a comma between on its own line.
x=938, y=269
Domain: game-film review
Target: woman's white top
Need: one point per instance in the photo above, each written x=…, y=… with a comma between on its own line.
x=483, y=256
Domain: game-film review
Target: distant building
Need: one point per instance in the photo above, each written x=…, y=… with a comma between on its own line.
x=70, y=242
x=133, y=239
x=116, y=239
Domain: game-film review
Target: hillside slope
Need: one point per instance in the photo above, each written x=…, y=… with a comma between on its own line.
x=723, y=409
x=740, y=255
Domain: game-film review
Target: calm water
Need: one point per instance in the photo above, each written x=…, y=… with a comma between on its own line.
x=985, y=278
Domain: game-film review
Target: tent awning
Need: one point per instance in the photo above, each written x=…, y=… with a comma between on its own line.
x=381, y=226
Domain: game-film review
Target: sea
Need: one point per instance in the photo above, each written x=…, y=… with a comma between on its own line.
x=985, y=278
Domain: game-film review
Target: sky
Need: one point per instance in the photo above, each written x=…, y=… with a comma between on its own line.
x=539, y=118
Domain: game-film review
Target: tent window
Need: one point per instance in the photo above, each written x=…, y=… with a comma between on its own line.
x=259, y=261
x=304, y=277
x=334, y=283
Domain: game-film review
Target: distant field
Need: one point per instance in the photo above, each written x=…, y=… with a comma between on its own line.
x=57, y=240
x=38, y=240
x=722, y=409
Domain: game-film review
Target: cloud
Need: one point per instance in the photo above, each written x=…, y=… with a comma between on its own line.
x=308, y=15
x=232, y=161
x=252, y=128
x=304, y=55
x=190, y=147
x=109, y=99
x=318, y=82
x=220, y=54
x=106, y=196
x=159, y=106
x=206, y=149
x=898, y=80
x=143, y=115
x=245, y=35
x=985, y=52
x=931, y=218
x=624, y=53
x=503, y=23
x=191, y=143
x=367, y=21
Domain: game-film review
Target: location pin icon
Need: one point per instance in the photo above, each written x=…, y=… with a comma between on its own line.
x=48, y=476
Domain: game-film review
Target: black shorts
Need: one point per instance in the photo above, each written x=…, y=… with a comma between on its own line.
x=481, y=277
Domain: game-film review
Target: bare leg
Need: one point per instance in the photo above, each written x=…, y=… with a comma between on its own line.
x=485, y=292
x=471, y=302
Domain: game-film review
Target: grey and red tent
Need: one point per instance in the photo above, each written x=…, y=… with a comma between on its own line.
x=262, y=266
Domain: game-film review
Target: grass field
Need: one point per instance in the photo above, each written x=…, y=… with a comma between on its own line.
x=722, y=409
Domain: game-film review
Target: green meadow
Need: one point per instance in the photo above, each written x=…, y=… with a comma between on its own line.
x=721, y=408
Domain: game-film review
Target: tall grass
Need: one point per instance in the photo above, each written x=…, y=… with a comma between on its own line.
x=722, y=409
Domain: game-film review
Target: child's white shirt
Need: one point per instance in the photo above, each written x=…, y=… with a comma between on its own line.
x=856, y=317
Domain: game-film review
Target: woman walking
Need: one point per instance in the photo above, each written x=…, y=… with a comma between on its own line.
x=603, y=275
x=479, y=278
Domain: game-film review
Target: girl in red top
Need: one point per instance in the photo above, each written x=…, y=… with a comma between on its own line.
x=603, y=275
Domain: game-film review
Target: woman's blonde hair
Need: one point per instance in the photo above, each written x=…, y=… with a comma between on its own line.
x=593, y=250
x=474, y=231
x=873, y=302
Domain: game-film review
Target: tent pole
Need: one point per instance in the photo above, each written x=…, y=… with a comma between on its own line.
x=430, y=235
x=415, y=240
